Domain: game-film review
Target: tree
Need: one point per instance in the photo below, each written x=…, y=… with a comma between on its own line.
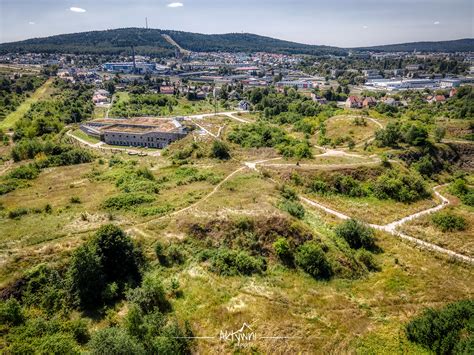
x=119, y=258
x=86, y=277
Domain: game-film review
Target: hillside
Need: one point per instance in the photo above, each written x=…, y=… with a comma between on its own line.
x=151, y=42
x=459, y=45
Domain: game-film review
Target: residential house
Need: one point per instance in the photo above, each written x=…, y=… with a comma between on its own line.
x=167, y=90
x=369, y=101
x=244, y=105
x=353, y=102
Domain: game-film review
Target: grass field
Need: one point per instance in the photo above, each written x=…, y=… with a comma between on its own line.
x=13, y=117
x=80, y=134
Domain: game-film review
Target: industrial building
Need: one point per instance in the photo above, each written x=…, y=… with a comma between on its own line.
x=136, y=132
x=130, y=67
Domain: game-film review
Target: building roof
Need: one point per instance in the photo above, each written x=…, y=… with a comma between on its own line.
x=137, y=125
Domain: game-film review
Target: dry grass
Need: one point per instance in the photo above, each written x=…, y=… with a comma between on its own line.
x=459, y=241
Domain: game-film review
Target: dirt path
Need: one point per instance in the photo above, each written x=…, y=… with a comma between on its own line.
x=392, y=227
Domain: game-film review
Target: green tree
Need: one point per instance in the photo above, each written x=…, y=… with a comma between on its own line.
x=86, y=277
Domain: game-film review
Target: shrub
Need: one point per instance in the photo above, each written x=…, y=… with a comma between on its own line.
x=400, y=187
x=449, y=222
x=294, y=208
x=283, y=251
x=75, y=199
x=114, y=341
x=150, y=296
x=312, y=259
x=228, y=263
x=367, y=258
x=356, y=234
x=220, y=150
x=11, y=312
x=17, y=213
x=445, y=330
x=58, y=344
x=127, y=200
x=25, y=172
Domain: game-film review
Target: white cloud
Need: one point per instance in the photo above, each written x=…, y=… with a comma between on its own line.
x=176, y=4
x=365, y=27
x=77, y=9
x=437, y=23
x=31, y=23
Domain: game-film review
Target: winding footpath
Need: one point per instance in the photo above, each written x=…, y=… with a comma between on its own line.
x=392, y=227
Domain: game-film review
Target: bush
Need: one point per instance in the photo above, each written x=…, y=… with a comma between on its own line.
x=400, y=187
x=127, y=200
x=11, y=313
x=449, y=222
x=294, y=208
x=367, y=258
x=25, y=172
x=311, y=258
x=445, y=330
x=356, y=234
x=229, y=263
x=58, y=344
x=220, y=150
x=114, y=341
x=150, y=296
x=17, y=213
x=75, y=199
x=283, y=251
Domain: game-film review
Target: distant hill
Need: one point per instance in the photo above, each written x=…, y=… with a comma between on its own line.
x=459, y=45
x=151, y=42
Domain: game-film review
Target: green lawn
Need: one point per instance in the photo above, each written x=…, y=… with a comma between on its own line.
x=16, y=115
x=80, y=134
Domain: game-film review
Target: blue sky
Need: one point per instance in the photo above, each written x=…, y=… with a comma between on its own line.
x=344, y=23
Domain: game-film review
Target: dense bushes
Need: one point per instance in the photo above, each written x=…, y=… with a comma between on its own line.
x=395, y=133
x=144, y=105
x=445, y=331
x=260, y=134
x=229, y=262
x=449, y=222
x=312, y=259
x=393, y=184
x=461, y=189
x=127, y=200
x=356, y=234
x=400, y=187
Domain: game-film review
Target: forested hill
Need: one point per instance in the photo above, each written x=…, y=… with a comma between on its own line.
x=150, y=42
x=459, y=45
